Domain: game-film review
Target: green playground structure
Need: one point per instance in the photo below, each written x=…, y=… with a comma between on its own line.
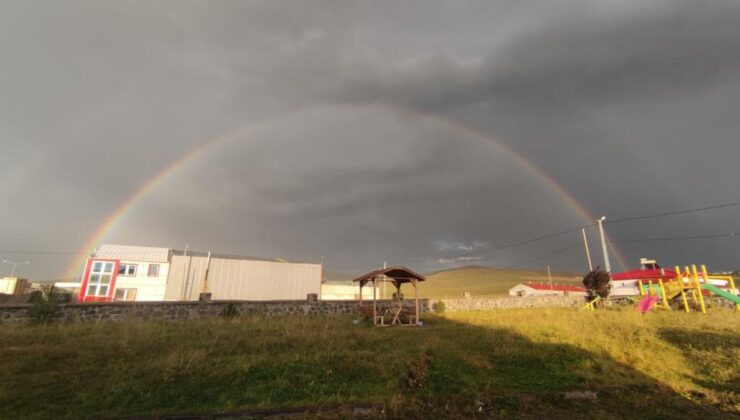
x=722, y=293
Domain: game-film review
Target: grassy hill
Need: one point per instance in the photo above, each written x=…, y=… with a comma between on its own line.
x=486, y=281
x=476, y=279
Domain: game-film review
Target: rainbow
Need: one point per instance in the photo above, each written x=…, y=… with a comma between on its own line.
x=142, y=192
x=151, y=184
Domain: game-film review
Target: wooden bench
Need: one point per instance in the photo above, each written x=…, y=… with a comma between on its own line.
x=389, y=315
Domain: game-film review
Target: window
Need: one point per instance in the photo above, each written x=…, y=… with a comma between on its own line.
x=125, y=294
x=100, y=276
x=127, y=270
x=153, y=270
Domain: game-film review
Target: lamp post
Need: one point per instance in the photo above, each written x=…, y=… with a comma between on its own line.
x=15, y=264
x=607, y=266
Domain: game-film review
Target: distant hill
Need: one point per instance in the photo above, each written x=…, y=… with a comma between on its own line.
x=476, y=279
x=485, y=281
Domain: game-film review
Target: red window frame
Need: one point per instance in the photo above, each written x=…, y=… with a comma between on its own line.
x=86, y=278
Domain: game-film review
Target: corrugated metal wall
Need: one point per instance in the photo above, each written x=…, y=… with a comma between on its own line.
x=241, y=279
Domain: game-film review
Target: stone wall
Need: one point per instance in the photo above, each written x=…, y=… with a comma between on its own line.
x=118, y=311
x=512, y=302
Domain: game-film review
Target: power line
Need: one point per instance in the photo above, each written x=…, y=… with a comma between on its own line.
x=670, y=238
x=514, y=244
x=556, y=234
x=676, y=238
x=507, y=246
x=672, y=213
x=541, y=257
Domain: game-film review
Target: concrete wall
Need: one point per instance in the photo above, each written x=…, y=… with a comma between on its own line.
x=119, y=311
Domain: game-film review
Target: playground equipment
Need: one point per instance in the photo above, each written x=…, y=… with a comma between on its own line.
x=590, y=305
x=687, y=283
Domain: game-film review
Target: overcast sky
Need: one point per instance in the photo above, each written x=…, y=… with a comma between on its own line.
x=370, y=131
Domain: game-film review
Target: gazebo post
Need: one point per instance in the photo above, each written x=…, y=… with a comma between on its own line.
x=375, y=310
x=362, y=283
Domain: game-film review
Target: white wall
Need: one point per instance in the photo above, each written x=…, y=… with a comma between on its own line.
x=147, y=288
x=524, y=290
x=521, y=290
x=10, y=285
x=335, y=291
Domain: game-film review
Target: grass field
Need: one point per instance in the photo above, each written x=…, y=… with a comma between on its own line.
x=486, y=281
x=515, y=363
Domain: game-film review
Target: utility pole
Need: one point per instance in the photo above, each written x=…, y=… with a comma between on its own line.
x=15, y=264
x=588, y=253
x=549, y=276
x=607, y=266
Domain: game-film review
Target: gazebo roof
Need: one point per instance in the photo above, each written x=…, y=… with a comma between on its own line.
x=398, y=273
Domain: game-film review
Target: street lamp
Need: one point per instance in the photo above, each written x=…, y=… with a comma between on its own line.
x=15, y=264
x=607, y=266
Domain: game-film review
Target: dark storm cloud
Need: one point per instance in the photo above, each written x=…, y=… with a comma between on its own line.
x=630, y=105
x=577, y=59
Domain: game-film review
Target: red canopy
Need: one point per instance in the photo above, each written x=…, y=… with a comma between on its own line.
x=647, y=274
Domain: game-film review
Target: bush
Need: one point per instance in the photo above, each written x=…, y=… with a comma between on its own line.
x=597, y=283
x=418, y=370
x=230, y=311
x=43, y=309
x=439, y=307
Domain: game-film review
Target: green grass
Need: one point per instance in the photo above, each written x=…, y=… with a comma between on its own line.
x=485, y=281
x=503, y=363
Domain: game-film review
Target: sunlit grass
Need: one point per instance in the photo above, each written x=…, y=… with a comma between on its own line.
x=503, y=362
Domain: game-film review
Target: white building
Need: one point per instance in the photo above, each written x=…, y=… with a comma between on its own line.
x=347, y=291
x=12, y=285
x=135, y=273
x=543, y=289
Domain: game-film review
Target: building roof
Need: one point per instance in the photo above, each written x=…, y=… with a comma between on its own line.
x=555, y=287
x=645, y=274
x=192, y=253
x=398, y=274
x=133, y=253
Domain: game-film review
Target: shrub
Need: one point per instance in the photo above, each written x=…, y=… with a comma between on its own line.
x=43, y=309
x=439, y=307
x=597, y=283
x=416, y=376
x=230, y=311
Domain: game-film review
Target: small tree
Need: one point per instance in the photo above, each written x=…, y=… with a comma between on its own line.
x=45, y=306
x=597, y=283
x=439, y=307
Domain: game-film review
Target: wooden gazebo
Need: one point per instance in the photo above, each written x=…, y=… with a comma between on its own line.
x=396, y=311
